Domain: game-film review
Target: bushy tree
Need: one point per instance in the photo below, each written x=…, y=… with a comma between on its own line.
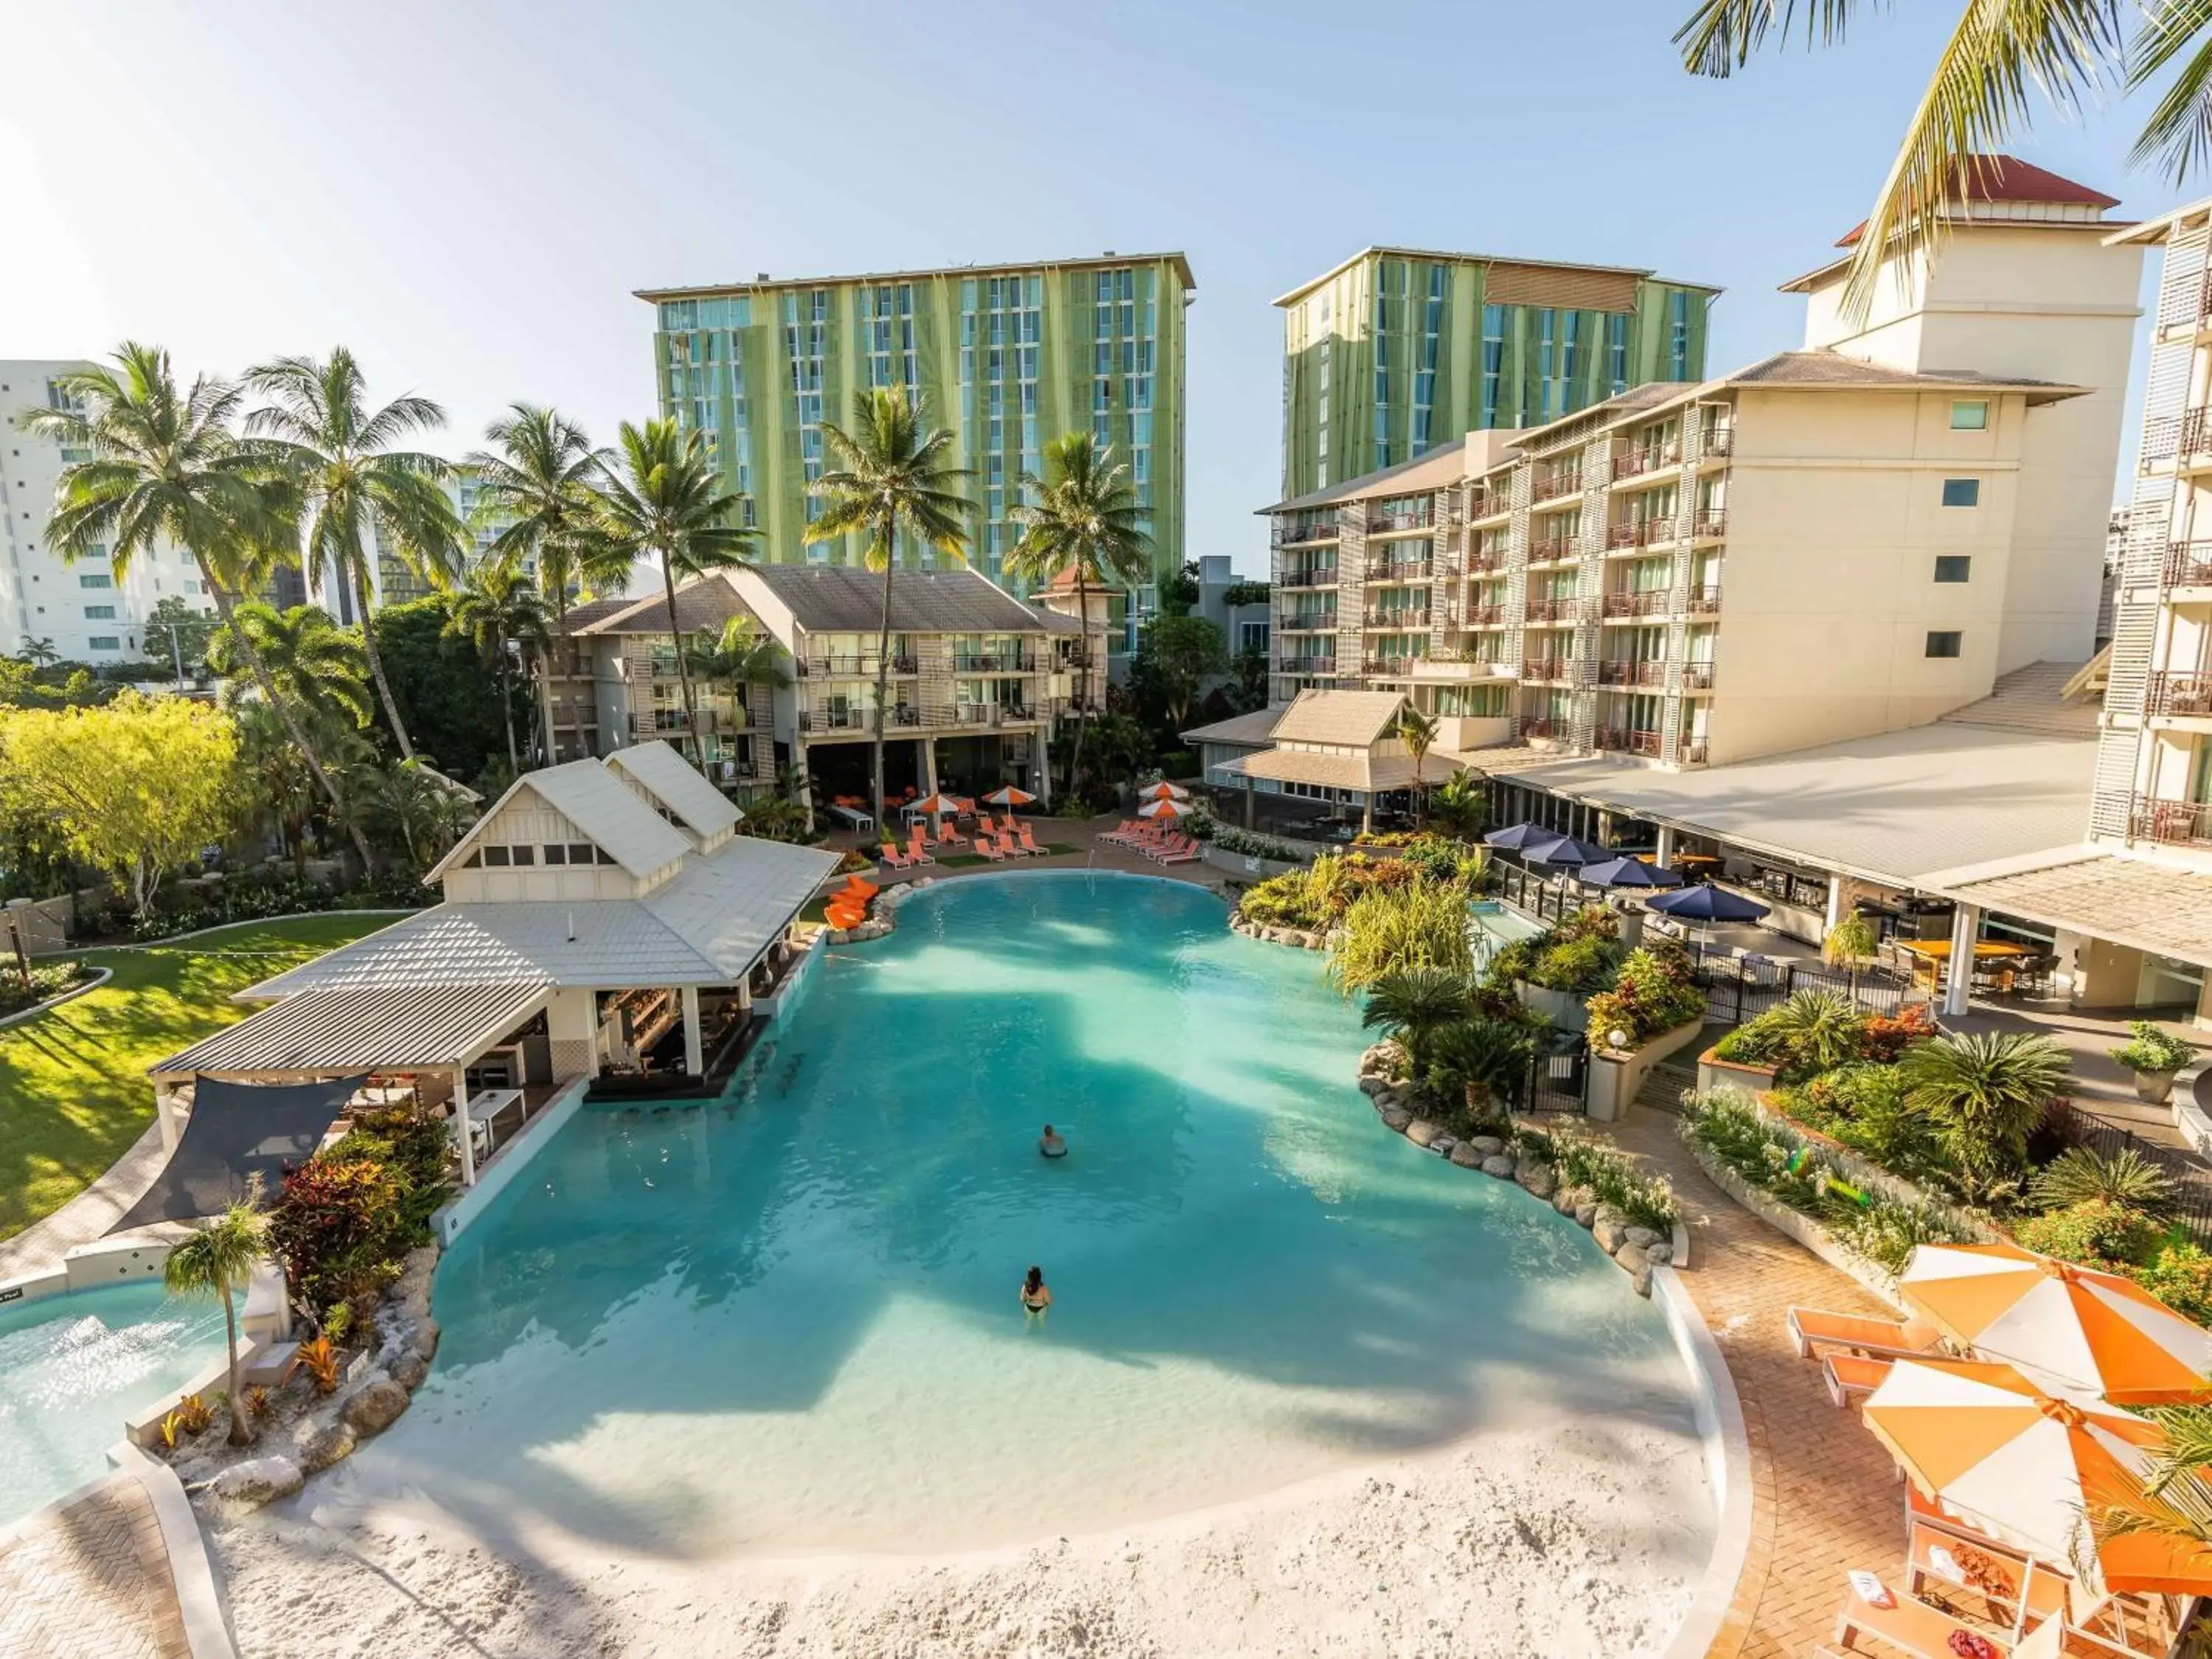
x=438, y=679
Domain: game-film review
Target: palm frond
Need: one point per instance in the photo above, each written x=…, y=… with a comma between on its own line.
x=2178, y=131
x=1721, y=35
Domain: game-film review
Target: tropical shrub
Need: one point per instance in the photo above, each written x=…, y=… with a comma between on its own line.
x=318, y=1357
x=1809, y=1033
x=2098, y=1233
x=1412, y=1003
x=47, y=979
x=1647, y=1200
x=1986, y=1092
x=1475, y=1066
x=2081, y=1174
x=1289, y=900
x=1888, y=1036
x=1460, y=803
x=1439, y=858
x=1245, y=843
x=2181, y=1277
x=346, y=1218
x=1389, y=929
x=2151, y=1049
x=1581, y=966
x=1656, y=991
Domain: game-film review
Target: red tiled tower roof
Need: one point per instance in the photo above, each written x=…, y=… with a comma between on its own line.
x=2009, y=179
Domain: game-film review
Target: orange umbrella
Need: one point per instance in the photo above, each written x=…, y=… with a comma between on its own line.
x=1164, y=791
x=2094, y=1332
x=1162, y=808
x=1010, y=796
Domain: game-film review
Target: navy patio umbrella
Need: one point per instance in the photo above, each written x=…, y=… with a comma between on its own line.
x=1519, y=835
x=1628, y=873
x=1565, y=850
x=1706, y=902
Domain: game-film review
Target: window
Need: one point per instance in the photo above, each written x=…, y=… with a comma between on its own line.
x=104, y=642
x=495, y=858
x=581, y=852
x=1944, y=643
x=556, y=853
x=1952, y=567
x=606, y=857
x=100, y=613
x=525, y=855
x=95, y=581
x=1962, y=492
x=1969, y=414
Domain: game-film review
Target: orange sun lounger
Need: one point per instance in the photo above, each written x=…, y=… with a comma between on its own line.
x=1880, y=1339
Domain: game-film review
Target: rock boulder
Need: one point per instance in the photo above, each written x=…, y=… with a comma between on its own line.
x=1488, y=1145
x=376, y=1407
x=1466, y=1156
x=1397, y=1117
x=409, y=1370
x=325, y=1445
x=1608, y=1229
x=426, y=1339
x=1499, y=1165
x=1536, y=1176
x=1421, y=1132
x=258, y=1480
x=1642, y=1238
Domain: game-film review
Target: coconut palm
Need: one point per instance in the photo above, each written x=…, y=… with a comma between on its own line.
x=306, y=658
x=1413, y=1004
x=355, y=490
x=1085, y=522
x=493, y=604
x=2176, y=1501
x=1998, y=57
x=740, y=656
x=217, y=1260
x=663, y=501
x=1986, y=1092
x=420, y=811
x=166, y=466
x=541, y=489
x=1417, y=731
x=893, y=478
x=40, y=653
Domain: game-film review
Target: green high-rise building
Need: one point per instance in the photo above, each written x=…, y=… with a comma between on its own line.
x=1397, y=351
x=1008, y=357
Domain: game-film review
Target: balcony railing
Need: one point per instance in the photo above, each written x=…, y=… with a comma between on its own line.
x=1305, y=664
x=1547, y=668
x=1697, y=676
x=1314, y=622
x=1567, y=608
x=1656, y=603
x=1536, y=725
x=990, y=714
x=1709, y=521
x=2187, y=695
x=1388, y=664
x=1400, y=570
x=1640, y=533
x=1694, y=751
x=1703, y=601
x=2174, y=822
x=1485, y=616
x=1400, y=622
x=1650, y=458
x=1628, y=741
x=2188, y=564
x=1481, y=503
x=1296, y=535
x=1552, y=547
x=1320, y=576
x=1621, y=670
x=1549, y=486
x=1380, y=524
x=1485, y=558
x=1718, y=441
x=853, y=667
x=2196, y=431
x=996, y=662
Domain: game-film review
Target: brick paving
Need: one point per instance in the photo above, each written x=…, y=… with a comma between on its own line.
x=91, y=1582
x=1824, y=1497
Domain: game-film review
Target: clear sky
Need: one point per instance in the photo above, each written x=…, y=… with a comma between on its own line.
x=466, y=193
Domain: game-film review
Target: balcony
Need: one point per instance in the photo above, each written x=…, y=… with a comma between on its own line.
x=1621, y=671
x=1388, y=664
x=1480, y=559
x=1640, y=533
x=860, y=667
x=1383, y=524
x=1318, y=621
x=1401, y=570
x=1697, y=676
x=1547, y=668
x=1717, y=443
x=1482, y=503
x=1550, y=485
x=1552, y=547
x=1485, y=616
x=990, y=714
x=1711, y=521
x=1659, y=601
x=996, y=662
x=1320, y=576
x=2188, y=564
x=1567, y=608
x=1703, y=601
x=1306, y=535
x=1628, y=741
x=1536, y=725
x=1305, y=664
x=2172, y=822
x=1650, y=458
x=2181, y=696
x=1399, y=622
x=1694, y=751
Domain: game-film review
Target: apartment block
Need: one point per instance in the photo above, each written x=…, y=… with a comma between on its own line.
x=1846, y=539
x=1009, y=357
x=88, y=611
x=1398, y=351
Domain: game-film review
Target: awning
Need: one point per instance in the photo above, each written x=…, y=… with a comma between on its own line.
x=238, y=1131
x=361, y=1028
x=2134, y=902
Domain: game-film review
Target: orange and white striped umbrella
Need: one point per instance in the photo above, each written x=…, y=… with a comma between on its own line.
x=2094, y=1332
x=1009, y=796
x=1162, y=808
x=1989, y=1444
x=941, y=805
x=1164, y=791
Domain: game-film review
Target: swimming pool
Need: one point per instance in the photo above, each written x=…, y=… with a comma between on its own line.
x=1497, y=924
x=73, y=1367
x=788, y=1321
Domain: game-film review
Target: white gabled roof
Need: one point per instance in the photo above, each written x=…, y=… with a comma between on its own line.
x=676, y=785
x=597, y=802
x=346, y=1028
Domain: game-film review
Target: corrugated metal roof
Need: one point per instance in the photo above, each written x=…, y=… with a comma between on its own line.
x=1254, y=728
x=845, y=600
x=1363, y=771
x=1892, y=808
x=1352, y=718
x=676, y=785
x=2158, y=907
x=597, y=802
x=703, y=606
x=357, y=1028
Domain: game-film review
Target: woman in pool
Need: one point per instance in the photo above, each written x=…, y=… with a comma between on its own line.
x=1035, y=1298
x=1050, y=1143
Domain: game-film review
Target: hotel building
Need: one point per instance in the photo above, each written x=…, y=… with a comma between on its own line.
x=1398, y=351
x=1008, y=357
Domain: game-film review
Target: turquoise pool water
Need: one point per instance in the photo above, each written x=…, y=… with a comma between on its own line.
x=73, y=1367
x=788, y=1321
x=1497, y=924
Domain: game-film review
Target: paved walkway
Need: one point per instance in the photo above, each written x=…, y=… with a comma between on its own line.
x=40, y=1247
x=91, y=1582
x=1825, y=1498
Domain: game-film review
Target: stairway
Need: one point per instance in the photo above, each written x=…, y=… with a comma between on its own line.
x=2031, y=699
x=1665, y=1083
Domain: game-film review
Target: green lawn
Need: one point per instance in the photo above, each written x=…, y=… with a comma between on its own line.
x=73, y=1089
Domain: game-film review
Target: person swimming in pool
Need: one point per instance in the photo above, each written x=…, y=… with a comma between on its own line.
x=1035, y=1298
x=1050, y=1143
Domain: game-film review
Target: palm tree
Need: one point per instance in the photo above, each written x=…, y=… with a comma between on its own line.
x=1996, y=59
x=355, y=490
x=741, y=655
x=217, y=1260
x=40, y=653
x=1085, y=520
x=166, y=466
x=1417, y=731
x=2176, y=1495
x=305, y=658
x=542, y=490
x=893, y=478
x=494, y=606
x=1986, y=1092
x=418, y=809
x=1413, y=1005
x=282, y=797
x=664, y=502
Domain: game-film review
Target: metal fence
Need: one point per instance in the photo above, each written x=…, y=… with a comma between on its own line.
x=1737, y=988
x=2191, y=1179
x=1559, y=1077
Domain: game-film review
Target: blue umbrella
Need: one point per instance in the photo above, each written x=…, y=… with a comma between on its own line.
x=1565, y=850
x=1706, y=902
x=1628, y=873
x=1520, y=835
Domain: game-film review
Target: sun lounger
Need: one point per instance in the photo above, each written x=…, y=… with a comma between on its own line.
x=896, y=859
x=1851, y=1376
x=914, y=848
x=1006, y=847
x=1028, y=843
x=949, y=837
x=1911, y=1627
x=1879, y=1338
x=989, y=848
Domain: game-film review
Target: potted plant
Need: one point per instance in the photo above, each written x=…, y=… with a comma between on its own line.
x=2153, y=1056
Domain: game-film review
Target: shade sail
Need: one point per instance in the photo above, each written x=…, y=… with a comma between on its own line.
x=238, y=1131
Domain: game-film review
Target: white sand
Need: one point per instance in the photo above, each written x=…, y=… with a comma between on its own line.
x=1582, y=1537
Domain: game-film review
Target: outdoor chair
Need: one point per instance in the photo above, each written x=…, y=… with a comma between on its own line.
x=896, y=859
x=1880, y=1339
x=989, y=848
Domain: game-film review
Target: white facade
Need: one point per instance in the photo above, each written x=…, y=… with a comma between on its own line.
x=87, y=612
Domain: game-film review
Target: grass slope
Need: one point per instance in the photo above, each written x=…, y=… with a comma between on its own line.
x=73, y=1089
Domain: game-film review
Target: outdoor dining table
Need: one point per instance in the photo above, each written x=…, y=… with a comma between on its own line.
x=1935, y=953
x=486, y=1105
x=853, y=818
